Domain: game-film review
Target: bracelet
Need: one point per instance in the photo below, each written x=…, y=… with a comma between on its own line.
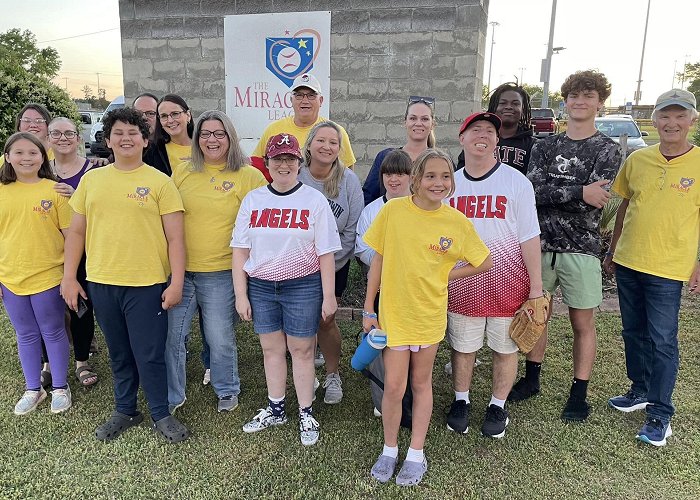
x=366, y=314
x=609, y=254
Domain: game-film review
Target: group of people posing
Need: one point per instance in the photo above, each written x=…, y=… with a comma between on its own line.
x=181, y=223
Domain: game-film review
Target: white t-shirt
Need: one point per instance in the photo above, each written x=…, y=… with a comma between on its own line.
x=362, y=249
x=285, y=232
x=501, y=205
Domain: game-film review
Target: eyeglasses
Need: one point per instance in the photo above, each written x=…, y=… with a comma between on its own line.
x=299, y=96
x=206, y=134
x=68, y=134
x=151, y=114
x=661, y=181
x=415, y=99
x=37, y=121
x=174, y=115
x=287, y=160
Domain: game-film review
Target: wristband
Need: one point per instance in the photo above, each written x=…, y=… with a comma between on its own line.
x=366, y=314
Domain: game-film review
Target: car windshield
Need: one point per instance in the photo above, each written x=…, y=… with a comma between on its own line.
x=542, y=113
x=617, y=128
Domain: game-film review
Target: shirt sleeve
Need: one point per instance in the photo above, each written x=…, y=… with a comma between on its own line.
x=370, y=188
x=169, y=200
x=326, y=237
x=77, y=200
x=240, y=237
x=621, y=185
x=526, y=214
x=355, y=206
x=362, y=251
x=474, y=250
x=374, y=236
x=347, y=156
x=63, y=211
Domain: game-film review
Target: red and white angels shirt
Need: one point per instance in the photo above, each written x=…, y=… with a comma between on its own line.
x=285, y=232
x=501, y=205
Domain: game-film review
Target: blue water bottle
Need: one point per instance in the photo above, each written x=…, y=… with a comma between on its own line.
x=370, y=347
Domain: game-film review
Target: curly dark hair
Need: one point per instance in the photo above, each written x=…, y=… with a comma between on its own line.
x=125, y=115
x=587, y=80
x=526, y=116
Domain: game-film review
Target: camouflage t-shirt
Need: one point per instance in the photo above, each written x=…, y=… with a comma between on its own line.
x=559, y=168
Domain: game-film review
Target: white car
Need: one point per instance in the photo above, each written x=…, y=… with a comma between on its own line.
x=616, y=125
x=98, y=147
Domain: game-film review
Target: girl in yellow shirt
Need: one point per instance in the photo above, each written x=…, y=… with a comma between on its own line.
x=32, y=218
x=417, y=240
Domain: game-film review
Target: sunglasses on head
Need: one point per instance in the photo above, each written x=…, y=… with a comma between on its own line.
x=414, y=99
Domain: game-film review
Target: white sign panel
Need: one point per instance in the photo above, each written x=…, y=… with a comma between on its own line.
x=264, y=53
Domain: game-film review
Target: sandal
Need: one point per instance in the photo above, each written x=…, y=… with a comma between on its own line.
x=171, y=429
x=384, y=468
x=84, y=373
x=46, y=379
x=116, y=425
x=411, y=473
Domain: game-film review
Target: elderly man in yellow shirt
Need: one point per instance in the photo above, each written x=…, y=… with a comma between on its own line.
x=653, y=251
x=306, y=101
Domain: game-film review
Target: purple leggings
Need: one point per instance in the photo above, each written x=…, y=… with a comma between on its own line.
x=37, y=316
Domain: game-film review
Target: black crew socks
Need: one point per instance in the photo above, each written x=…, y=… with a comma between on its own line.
x=307, y=411
x=579, y=389
x=532, y=372
x=278, y=407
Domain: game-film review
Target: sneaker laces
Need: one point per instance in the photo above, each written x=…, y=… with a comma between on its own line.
x=460, y=410
x=264, y=413
x=307, y=422
x=333, y=380
x=496, y=412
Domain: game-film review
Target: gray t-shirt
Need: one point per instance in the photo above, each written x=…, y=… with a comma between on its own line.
x=346, y=208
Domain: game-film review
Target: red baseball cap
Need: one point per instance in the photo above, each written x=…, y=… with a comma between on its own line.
x=282, y=144
x=480, y=115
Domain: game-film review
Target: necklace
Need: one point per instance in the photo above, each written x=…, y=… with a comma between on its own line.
x=63, y=174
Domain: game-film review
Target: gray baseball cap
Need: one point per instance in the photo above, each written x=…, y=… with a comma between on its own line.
x=675, y=97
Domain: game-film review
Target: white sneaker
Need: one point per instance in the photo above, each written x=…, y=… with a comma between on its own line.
x=61, y=400
x=207, y=377
x=334, y=389
x=377, y=413
x=319, y=360
x=309, y=430
x=263, y=420
x=29, y=401
x=317, y=384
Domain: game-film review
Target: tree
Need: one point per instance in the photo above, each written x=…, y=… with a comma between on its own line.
x=692, y=76
x=87, y=92
x=24, y=78
x=19, y=49
x=535, y=93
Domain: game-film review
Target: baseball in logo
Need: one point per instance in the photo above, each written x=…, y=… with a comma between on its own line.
x=445, y=242
x=46, y=204
x=226, y=185
x=686, y=182
x=143, y=191
x=290, y=56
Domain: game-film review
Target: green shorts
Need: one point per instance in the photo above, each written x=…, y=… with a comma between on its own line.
x=578, y=275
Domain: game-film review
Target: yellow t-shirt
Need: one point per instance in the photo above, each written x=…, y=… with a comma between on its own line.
x=212, y=199
x=288, y=126
x=31, y=246
x=177, y=154
x=125, y=242
x=662, y=223
x=419, y=247
x=49, y=154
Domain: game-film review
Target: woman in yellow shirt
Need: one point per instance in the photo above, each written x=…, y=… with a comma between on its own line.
x=172, y=141
x=212, y=186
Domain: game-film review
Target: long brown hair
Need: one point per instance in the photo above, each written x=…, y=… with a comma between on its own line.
x=331, y=185
x=7, y=172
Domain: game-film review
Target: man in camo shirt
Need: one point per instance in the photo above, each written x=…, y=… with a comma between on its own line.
x=571, y=173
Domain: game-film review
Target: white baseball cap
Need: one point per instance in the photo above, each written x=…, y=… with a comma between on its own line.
x=307, y=80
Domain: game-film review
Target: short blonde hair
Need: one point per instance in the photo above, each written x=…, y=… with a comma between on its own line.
x=418, y=169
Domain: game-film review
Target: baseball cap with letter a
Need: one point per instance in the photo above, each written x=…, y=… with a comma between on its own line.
x=283, y=144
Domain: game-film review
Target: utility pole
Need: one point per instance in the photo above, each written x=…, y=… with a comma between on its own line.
x=547, y=63
x=638, y=93
x=673, y=82
x=521, y=76
x=98, y=84
x=65, y=79
x=685, y=63
x=493, y=29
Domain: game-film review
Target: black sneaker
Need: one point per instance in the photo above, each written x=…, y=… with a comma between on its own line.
x=576, y=410
x=522, y=390
x=495, y=422
x=458, y=417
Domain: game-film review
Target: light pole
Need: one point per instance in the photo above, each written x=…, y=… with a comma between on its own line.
x=547, y=63
x=493, y=29
x=638, y=93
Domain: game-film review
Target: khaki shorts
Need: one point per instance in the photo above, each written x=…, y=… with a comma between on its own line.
x=577, y=274
x=466, y=334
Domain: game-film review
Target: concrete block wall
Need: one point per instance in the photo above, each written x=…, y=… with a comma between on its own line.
x=382, y=51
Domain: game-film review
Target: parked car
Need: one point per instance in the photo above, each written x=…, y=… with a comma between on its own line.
x=544, y=122
x=88, y=118
x=615, y=125
x=98, y=146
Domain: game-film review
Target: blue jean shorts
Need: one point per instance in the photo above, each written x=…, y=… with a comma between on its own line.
x=293, y=306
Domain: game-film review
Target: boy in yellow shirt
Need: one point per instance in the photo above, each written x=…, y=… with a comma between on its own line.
x=129, y=220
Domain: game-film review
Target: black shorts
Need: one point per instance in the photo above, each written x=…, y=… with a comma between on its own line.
x=341, y=279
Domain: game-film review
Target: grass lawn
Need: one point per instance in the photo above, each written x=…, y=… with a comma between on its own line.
x=57, y=456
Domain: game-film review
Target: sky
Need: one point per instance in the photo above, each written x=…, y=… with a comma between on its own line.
x=598, y=34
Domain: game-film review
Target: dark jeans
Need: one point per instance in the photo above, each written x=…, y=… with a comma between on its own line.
x=135, y=329
x=649, y=306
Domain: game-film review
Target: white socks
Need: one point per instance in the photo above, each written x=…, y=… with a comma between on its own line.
x=501, y=403
x=391, y=451
x=463, y=396
x=415, y=456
